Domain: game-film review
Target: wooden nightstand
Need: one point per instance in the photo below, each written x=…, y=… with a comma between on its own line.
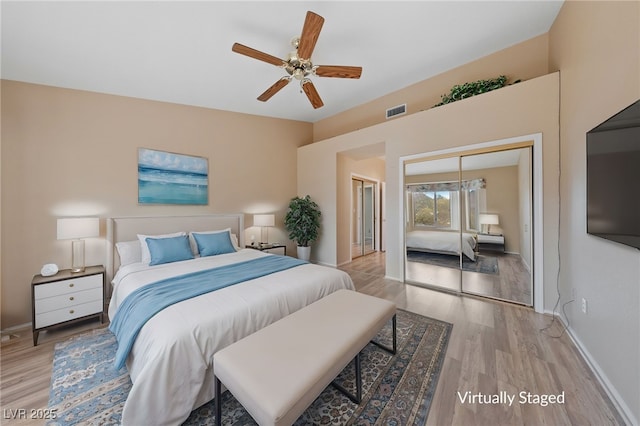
x=269, y=248
x=67, y=297
x=491, y=242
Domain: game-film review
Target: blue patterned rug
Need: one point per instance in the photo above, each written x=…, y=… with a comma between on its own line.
x=397, y=390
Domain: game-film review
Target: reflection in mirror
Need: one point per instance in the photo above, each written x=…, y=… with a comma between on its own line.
x=468, y=224
x=499, y=213
x=433, y=223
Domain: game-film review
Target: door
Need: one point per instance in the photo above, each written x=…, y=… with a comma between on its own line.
x=499, y=213
x=363, y=217
x=485, y=201
x=432, y=224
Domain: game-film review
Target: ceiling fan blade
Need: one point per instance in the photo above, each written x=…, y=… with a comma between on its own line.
x=310, y=32
x=339, y=71
x=275, y=88
x=256, y=54
x=312, y=93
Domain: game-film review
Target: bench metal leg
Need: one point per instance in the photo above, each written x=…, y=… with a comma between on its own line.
x=358, y=396
x=393, y=350
x=218, y=398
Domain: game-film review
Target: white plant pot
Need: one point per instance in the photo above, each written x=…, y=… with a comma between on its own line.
x=304, y=252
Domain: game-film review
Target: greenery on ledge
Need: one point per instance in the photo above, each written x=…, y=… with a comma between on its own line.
x=466, y=90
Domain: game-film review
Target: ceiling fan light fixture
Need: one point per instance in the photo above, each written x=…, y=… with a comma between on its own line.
x=298, y=63
x=298, y=74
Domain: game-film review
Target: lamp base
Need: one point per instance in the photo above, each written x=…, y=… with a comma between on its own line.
x=77, y=256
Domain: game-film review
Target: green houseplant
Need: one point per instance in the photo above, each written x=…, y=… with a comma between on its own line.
x=303, y=223
x=466, y=90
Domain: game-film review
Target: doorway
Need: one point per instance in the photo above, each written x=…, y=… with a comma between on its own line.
x=363, y=216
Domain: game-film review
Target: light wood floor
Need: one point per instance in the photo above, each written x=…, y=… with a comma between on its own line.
x=511, y=283
x=493, y=347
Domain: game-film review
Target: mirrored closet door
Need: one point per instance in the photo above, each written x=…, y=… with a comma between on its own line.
x=499, y=214
x=364, y=218
x=468, y=224
x=432, y=223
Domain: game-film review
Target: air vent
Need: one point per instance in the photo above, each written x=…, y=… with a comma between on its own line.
x=397, y=110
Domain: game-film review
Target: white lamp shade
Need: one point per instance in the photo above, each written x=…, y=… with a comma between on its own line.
x=264, y=220
x=489, y=219
x=78, y=227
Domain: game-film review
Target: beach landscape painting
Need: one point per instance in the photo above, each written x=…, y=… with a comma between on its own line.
x=168, y=178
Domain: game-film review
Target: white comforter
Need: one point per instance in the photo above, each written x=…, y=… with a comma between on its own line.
x=171, y=360
x=441, y=242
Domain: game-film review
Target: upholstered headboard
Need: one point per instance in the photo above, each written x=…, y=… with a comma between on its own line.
x=126, y=229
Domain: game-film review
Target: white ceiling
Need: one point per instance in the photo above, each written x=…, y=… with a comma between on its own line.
x=180, y=52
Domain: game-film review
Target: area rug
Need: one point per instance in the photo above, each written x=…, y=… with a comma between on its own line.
x=397, y=390
x=483, y=263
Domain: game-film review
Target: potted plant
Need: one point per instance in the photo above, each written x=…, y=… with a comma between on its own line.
x=303, y=223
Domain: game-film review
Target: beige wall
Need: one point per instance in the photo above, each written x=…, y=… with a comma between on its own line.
x=523, y=109
x=522, y=61
x=596, y=47
x=67, y=153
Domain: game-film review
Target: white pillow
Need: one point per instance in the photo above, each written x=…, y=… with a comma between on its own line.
x=129, y=252
x=144, y=248
x=194, y=245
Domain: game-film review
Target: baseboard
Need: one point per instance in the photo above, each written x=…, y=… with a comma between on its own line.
x=11, y=330
x=616, y=399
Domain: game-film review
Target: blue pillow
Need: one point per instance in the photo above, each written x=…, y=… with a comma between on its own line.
x=166, y=250
x=213, y=244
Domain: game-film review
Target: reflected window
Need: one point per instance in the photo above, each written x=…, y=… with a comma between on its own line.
x=435, y=209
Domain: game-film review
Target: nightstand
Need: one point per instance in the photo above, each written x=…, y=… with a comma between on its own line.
x=488, y=242
x=67, y=297
x=269, y=248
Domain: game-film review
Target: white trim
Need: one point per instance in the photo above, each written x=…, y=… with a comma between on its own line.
x=538, y=238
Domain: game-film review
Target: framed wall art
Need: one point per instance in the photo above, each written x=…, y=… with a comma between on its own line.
x=169, y=178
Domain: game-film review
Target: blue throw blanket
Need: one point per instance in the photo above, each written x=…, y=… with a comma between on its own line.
x=146, y=301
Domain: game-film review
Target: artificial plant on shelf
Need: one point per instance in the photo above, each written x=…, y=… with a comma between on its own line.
x=466, y=90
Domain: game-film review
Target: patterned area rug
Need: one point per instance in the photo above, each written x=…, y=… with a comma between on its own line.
x=397, y=390
x=483, y=263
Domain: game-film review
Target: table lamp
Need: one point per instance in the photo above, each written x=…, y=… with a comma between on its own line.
x=488, y=219
x=75, y=228
x=264, y=220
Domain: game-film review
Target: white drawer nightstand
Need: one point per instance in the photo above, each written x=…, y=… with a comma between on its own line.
x=491, y=242
x=67, y=297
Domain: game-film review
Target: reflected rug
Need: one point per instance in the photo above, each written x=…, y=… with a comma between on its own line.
x=397, y=390
x=483, y=263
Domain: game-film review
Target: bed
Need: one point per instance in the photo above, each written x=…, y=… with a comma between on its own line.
x=170, y=362
x=441, y=242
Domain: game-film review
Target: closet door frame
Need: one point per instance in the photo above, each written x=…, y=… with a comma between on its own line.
x=534, y=140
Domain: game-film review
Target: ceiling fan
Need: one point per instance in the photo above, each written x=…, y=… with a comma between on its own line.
x=298, y=63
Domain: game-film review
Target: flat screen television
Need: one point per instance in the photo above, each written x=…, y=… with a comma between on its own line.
x=613, y=178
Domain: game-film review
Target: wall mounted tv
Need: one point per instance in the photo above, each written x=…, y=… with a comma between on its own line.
x=613, y=178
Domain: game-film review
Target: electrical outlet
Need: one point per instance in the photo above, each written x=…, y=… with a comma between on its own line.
x=584, y=305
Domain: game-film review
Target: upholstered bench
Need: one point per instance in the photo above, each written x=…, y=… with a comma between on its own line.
x=277, y=372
